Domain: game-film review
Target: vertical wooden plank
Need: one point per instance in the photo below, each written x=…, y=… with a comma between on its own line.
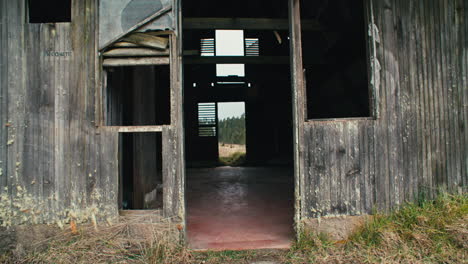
x=420, y=84
x=171, y=183
x=394, y=109
x=108, y=171
x=298, y=95
x=403, y=102
x=459, y=86
x=354, y=171
x=93, y=183
x=3, y=96
x=17, y=72
x=381, y=130
x=423, y=84
x=414, y=121
x=173, y=137
x=438, y=86
x=430, y=106
x=462, y=8
x=330, y=188
x=60, y=80
x=446, y=95
x=370, y=187
x=315, y=174
x=32, y=128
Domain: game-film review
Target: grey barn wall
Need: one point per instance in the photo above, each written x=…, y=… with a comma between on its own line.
x=55, y=165
x=418, y=142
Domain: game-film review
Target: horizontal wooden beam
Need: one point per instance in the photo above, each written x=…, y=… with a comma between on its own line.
x=147, y=40
x=124, y=44
x=142, y=61
x=135, y=52
x=238, y=60
x=246, y=23
x=159, y=32
x=133, y=129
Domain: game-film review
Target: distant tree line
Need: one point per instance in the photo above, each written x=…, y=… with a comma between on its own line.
x=232, y=130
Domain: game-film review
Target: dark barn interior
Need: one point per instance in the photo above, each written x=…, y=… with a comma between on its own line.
x=336, y=70
x=249, y=207
x=139, y=96
x=335, y=59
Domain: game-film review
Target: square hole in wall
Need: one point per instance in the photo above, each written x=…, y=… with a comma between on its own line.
x=137, y=96
x=49, y=11
x=336, y=60
x=140, y=166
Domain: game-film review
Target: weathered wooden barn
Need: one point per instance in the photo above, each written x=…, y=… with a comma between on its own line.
x=101, y=100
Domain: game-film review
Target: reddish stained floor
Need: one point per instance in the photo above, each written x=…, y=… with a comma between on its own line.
x=240, y=208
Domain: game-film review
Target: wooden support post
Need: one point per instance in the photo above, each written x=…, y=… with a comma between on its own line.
x=298, y=90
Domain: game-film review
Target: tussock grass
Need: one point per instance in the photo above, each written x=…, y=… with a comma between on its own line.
x=135, y=239
x=426, y=232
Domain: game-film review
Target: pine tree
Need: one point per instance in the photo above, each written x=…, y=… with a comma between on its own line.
x=232, y=130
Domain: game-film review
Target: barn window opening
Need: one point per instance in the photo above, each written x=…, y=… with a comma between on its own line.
x=140, y=167
x=230, y=43
x=335, y=60
x=207, y=119
x=49, y=11
x=252, y=47
x=207, y=47
x=137, y=96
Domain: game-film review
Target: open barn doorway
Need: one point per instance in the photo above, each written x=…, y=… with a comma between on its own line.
x=243, y=63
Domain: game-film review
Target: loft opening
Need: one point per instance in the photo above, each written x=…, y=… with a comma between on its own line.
x=335, y=60
x=140, y=171
x=49, y=11
x=137, y=96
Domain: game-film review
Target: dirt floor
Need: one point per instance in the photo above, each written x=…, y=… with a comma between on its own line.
x=240, y=208
x=226, y=150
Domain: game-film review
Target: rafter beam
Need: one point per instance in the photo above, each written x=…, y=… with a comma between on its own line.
x=237, y=60
x=246, y=23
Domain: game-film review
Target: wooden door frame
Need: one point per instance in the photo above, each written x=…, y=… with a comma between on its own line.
x=298, y=95
x=298, y=101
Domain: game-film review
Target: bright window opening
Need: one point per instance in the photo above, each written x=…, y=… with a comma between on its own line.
x=229, y=43
x=231, y=131
x=226, y=70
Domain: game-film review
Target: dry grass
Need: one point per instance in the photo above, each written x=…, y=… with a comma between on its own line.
x=135, y=239
x=430, y=232
x=227, y=150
